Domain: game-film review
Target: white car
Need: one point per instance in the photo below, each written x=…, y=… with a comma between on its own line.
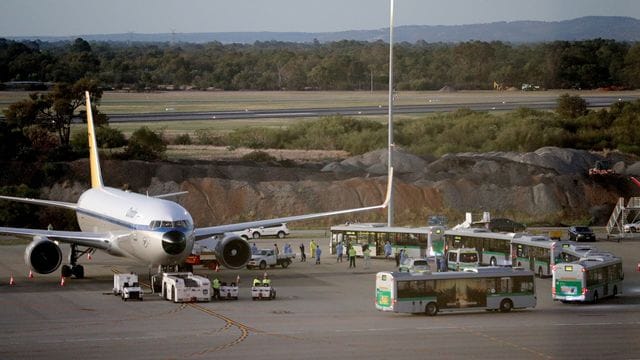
x=279, y=231
x=415, y=266
x=632, y=227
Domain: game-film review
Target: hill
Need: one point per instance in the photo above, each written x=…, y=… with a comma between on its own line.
x=590, y=27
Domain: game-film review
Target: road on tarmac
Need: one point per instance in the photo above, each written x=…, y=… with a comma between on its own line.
x=321, y=311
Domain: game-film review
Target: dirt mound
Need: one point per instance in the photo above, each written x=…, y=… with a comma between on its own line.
x=549, y=185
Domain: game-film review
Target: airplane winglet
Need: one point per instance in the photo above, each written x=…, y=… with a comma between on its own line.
x=387, y=199
x=94, y=161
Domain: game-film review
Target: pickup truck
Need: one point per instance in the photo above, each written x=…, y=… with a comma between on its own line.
x=268, y=257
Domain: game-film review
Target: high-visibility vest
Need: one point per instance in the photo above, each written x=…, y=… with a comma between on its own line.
x=266, y=282
x=257, y=282
x=216, y=284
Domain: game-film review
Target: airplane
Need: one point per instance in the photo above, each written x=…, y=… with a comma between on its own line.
x=151, y=230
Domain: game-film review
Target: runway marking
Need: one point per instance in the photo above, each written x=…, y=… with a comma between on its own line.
x=245, y=330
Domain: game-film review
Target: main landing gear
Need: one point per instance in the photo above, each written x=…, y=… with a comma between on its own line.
x=74, y=268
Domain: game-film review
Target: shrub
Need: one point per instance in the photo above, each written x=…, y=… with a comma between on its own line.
x=208, y=137
x=258, y=156
x=571, y=107
x=182, y=139
x=108, y=137
x=145, y=144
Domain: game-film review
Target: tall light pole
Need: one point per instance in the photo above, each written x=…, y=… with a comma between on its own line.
x=390, y=142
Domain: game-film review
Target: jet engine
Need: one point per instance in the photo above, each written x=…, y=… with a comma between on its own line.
x=232, y=251
x=43, y=255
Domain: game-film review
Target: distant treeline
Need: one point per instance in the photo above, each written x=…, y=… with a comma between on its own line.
x=344, y=65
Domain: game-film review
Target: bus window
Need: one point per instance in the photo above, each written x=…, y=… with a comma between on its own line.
x=468, y=257
x=505, y=285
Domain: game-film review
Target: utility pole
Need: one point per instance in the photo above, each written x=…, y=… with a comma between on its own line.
x=390, y=142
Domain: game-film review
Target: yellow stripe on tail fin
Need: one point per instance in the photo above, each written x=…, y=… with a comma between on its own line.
x=94, y=161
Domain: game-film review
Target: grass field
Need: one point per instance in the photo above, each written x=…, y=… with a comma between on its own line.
x=185, y=101
x=122, y=102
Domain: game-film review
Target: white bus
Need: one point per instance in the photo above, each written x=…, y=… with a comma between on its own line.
x=489, y=288
x=493, y=248
x=535, y=252
x=573, y=251
x=418, y=242
x=595, y=276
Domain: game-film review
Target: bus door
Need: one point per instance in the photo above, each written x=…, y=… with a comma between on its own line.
x=381, y=239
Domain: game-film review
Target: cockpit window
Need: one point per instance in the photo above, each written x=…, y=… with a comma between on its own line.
x=155, y=224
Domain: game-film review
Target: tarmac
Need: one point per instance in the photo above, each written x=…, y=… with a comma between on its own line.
x=323, y=311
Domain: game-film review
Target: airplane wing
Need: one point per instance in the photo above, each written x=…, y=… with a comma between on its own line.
x=202, y=233
x=94, y=240
x=163, y=196
x=62, y=204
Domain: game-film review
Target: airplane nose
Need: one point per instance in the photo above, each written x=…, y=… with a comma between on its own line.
x=174, y=242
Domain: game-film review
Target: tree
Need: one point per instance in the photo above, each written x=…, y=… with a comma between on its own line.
x=571, y=107
x=21, y=114
x=58, y=108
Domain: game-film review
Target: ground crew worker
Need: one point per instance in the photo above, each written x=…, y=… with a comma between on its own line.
x=303, y=257
x=266, y=281
x=257, y=282
x=352, y=257
x=312, y=247
x=216, y=288
x=367, y=255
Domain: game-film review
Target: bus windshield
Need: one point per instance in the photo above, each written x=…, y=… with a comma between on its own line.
x=469, y=257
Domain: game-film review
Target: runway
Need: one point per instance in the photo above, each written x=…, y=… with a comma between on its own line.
x=321, y=312
x=495, y=103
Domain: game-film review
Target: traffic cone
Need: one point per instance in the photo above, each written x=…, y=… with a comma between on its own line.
x=238, y=280
x=217, y=267
x=30, y=274
x=11, y=281
x=61, y=280
x=88, y=256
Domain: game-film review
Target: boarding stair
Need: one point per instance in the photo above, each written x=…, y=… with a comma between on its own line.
x=622, y=215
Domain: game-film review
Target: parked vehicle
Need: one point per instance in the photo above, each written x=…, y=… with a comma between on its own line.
x=581, y=233
x=415, y=266
x=268, y=257
x=185, y=287
x=126, y=285
x=462, y=258
x=229, y=292
x=279, y=231
x=632, y=227
x=263, y=292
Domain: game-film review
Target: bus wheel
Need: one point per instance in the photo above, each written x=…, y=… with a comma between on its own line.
x=493, y=261
x=595, y=297
x=431, y=309
x=506, y=305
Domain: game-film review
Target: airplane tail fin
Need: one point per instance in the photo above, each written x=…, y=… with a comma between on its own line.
x=94, y=161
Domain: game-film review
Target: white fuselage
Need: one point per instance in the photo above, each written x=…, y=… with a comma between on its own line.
x=152, y=230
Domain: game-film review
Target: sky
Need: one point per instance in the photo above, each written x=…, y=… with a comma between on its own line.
x=82, y=17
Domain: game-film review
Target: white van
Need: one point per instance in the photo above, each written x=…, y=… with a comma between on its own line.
x=462, y=258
